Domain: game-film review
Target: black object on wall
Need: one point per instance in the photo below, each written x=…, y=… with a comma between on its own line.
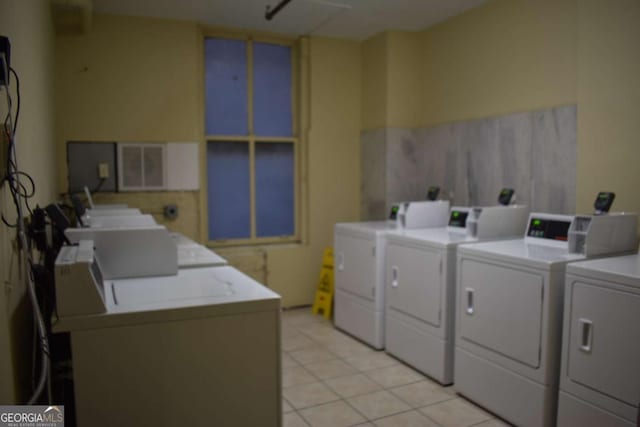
x=270, y=13
x=5, y=60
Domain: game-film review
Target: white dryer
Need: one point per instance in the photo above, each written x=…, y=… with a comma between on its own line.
x=198, y=348
x=509, y=311
x=359, y=251
x=600, y=377
x=420, y=283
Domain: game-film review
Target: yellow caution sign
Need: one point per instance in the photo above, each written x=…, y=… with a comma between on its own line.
x=324, y=294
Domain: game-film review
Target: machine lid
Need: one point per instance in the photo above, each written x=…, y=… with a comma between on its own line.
x=436, y=237
x=192, y=293
x=623, y=269
x=163, y=290
x=368, y=228
x=195, y=255
x=522, y=252
x=181, y=239
x=190, y=287
x=124, y=221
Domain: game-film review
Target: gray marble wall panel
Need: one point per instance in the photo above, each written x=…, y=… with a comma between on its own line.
x=373, y=182
x=478, y=145
x=460, y=176
x=553, y=160
x=532, y=152
x=406, y=174
x=514, y=155
x=440, y=158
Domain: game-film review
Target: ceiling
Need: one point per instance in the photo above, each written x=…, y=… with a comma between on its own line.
x=351, y=19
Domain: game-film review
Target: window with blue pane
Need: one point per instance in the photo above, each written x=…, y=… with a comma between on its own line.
x=226, y=87
x=274, y=172
x=228, y=190
x=249, y=96
x=272, y=100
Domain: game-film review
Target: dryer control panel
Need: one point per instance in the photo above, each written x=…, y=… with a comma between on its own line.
x=547, y=228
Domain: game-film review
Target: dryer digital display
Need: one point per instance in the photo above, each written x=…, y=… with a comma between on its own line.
x=432, y=193
x=458, y=219
x=603, y=202
x=393, y=215
x=548, y=229
x=505, y=196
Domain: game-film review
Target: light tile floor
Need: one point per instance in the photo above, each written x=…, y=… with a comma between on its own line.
x=331, y=379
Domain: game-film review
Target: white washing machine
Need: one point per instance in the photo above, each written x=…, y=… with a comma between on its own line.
x=192, y=254
x=197, y=255
x=198, y=348
x=120, y=221
x=509, y=311
x=128, y=250
x=600, y=377
x=359, y=251
x=420, y=284
x=101, y=206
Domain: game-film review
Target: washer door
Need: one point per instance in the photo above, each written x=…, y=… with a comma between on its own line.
x=501, y=309
x=604, y=341
x=414, y=282
x=355, y=265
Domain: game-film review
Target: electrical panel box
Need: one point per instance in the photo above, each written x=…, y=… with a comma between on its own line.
x=84, y=160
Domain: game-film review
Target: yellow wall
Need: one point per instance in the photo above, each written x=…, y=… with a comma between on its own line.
x=28, y=24
x=391, y=80
x=503, y=57
x=517, y=55
x=374, y=82
x=131, y=79
x=138, y=79
x=609, y=102
x=404, y=95
x=128, y=79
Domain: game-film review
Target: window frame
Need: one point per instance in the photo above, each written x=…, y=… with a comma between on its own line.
x=297, y=139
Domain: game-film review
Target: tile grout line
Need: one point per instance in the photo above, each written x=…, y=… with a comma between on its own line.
x=343, y=399
x=322, y=345
x=364, y=372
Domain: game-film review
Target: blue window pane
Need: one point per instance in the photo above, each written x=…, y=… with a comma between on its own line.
x=228, y=190
x=272, y=90
x=274, y=189
x=226, y=87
